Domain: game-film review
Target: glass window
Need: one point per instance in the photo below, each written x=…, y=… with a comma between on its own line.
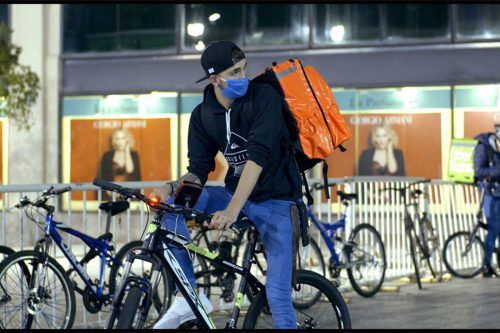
x=346, y=23
x=101, y=28
x=206, y=23
x=4, y=14
x=417, y=21
x=147, y=26
x=479, y=21
x=276, y=25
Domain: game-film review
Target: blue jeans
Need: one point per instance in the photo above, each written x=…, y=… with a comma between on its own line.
x=492, y=212
x=273, y=222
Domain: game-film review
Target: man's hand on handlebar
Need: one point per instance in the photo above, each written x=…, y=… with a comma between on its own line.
x=162, y=192
x=222, y=220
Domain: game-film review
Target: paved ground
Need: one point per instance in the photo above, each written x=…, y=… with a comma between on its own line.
x=453, y=304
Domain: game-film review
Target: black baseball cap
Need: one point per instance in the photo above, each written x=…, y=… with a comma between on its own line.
x=218, y=56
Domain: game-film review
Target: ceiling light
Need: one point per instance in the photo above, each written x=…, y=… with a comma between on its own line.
x=337, y=33
x=195, y=29
x=214, y=17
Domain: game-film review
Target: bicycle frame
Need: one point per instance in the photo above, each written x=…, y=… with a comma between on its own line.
x=327, y=231
x=156, y=245
x=99, y=247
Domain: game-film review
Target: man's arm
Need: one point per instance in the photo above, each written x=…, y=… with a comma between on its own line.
x=250, y=175
x=170, y=188
x=482, y=168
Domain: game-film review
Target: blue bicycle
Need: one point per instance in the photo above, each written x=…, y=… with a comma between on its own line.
x=362, y=255
x=36, y=291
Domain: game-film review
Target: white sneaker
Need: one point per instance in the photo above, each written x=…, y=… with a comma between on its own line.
x=180, y=312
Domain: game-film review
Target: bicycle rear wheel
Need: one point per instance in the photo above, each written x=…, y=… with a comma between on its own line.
x=366, y=260
x=43, y=298
x=463, y=254
x=328, y=311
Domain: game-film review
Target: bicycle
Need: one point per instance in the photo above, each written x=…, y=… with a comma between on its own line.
x=130, y=308
x=424, y=245
x=464, y=252
x=42, y=280
x=362, y=255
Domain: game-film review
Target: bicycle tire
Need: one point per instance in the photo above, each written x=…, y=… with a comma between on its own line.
x=33, y=258
x=413, y=250
x=436, y=268
x=310, y=264
x=130, y=307
x=463, y=238
x=258, y=306
x=5, y=251
x=160, y=305
x=352, y=278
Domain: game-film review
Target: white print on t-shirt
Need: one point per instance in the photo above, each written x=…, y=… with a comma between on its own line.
x=236, y=153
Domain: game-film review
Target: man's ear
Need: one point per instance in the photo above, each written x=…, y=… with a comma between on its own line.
x=213, y=80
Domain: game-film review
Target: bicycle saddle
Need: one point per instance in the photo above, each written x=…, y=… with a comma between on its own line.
x=114, y=208
x=347, y=196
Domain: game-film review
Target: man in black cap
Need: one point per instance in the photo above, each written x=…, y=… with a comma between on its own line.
x=245, y=122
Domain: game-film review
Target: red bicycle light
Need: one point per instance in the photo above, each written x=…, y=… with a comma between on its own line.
x=154, y=200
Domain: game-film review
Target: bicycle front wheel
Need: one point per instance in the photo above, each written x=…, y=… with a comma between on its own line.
x=412, y=243
x=463, y=254
x=328, y=311
x=163, y=291
x=431, y=246
x=366, y=260
x=130, y=307
x=39, y=297
x=311, y=258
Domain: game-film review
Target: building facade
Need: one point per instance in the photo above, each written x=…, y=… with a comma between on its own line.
x=428, y=73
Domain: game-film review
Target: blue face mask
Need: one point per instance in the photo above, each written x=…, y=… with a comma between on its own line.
x=235, y=88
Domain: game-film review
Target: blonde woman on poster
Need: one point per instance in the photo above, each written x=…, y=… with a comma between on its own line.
x=382, y=158
x=120, y=163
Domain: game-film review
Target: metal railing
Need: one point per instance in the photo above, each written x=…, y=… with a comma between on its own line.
x=451, y=207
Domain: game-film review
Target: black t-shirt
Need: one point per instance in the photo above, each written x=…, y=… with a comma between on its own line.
x=256, y=133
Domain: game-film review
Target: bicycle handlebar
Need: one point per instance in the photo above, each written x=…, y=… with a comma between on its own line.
x=320, y=186
x=403, y=188
x=188, y=213
x=43, y=199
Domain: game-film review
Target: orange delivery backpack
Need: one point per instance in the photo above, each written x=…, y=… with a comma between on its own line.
x=311, y=113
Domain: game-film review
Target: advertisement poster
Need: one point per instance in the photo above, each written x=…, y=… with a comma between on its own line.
x=477, y=122
x=461, y=166
x=476, y=110
x=119, y=150
x=397, y=144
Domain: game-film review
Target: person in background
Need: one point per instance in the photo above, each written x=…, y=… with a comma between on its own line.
x=382, y=158
x=120, y=163
x=487, y=171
